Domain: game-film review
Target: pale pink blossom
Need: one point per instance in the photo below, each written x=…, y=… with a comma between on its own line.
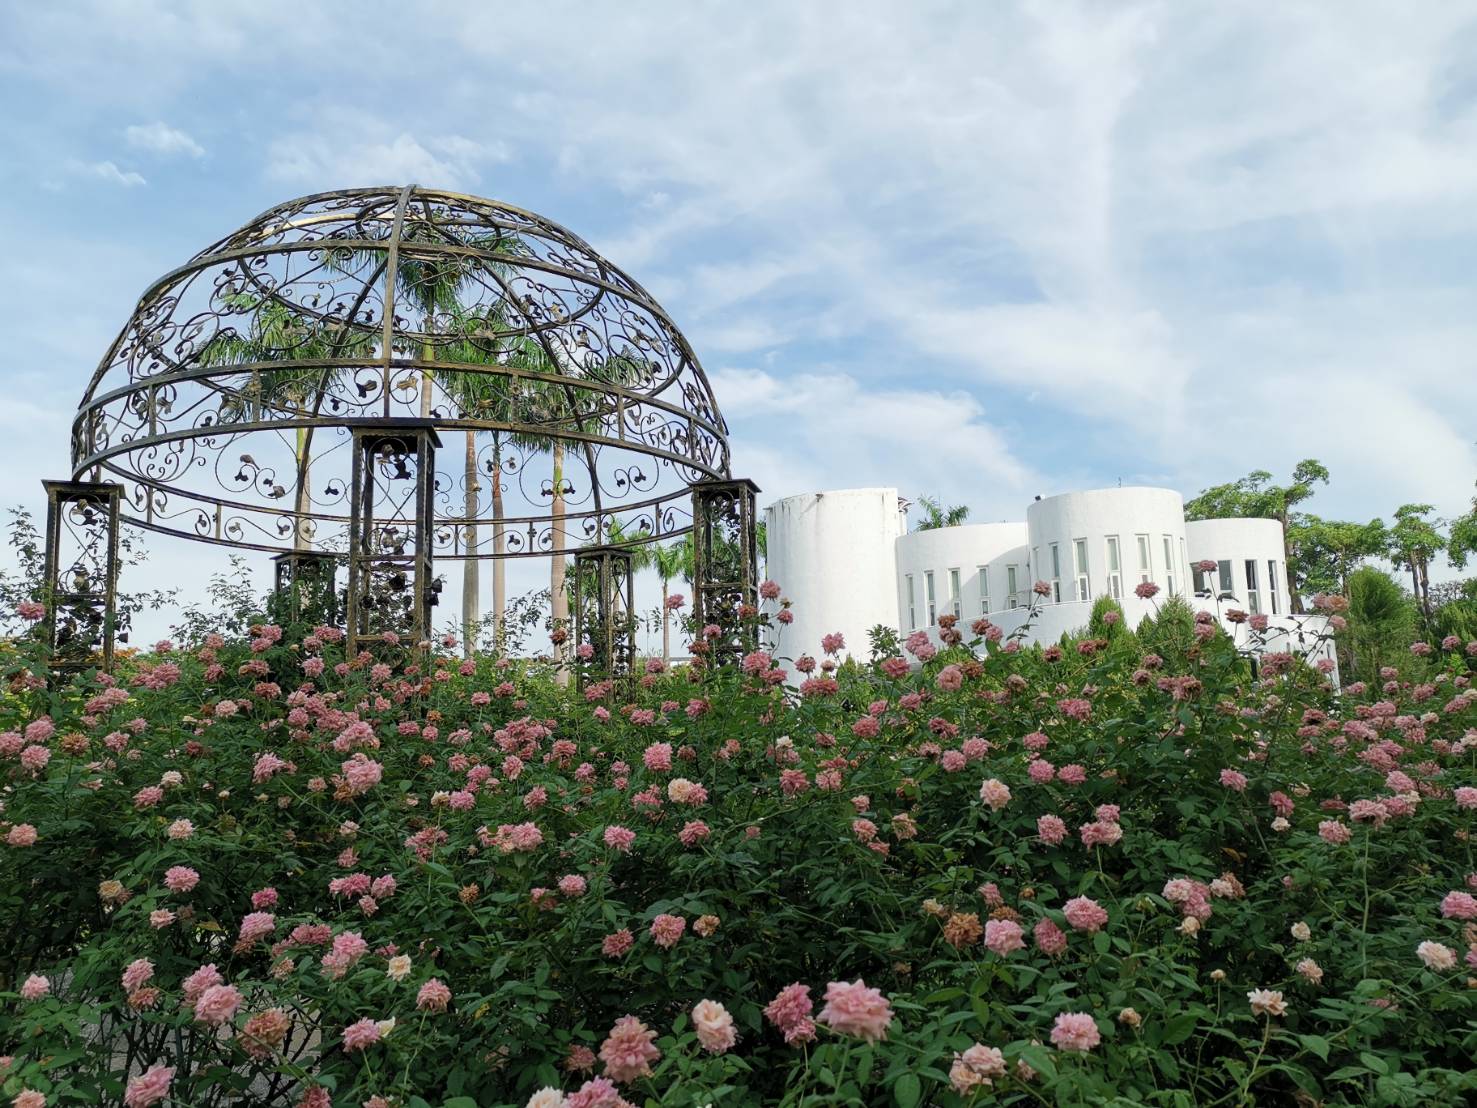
x=629, y=1050
x=1075, y=1031
x=852, y=1008
x=714, y=1027
x=149, y=1087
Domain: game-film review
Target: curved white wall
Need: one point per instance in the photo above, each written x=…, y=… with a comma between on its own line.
x=1098, y=519
x=832, y=553
x=1231, y=544
x=981, y=554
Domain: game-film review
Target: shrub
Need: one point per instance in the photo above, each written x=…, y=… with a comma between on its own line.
x=262, y=872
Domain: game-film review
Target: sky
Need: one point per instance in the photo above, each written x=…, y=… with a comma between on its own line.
x=978, y=251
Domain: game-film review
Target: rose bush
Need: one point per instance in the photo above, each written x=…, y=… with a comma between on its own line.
x=257, y=871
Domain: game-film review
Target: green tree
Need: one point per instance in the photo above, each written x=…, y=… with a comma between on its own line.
x=492, y=396
x=272, y=331
x=1415, y=539
x=1462, y=538
x=1328, y=550
x=935, y=515
x=1255, y=496
x=669, y=562
x=1381, y=621
x=1454, y=610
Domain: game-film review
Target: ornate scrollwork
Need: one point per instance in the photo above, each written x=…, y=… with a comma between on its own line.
x=569, y=410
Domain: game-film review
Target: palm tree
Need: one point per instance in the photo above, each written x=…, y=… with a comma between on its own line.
x=935, y=515
x=277, y=333
x=433, y=284
x=490, y=396
x=669, y=562
x=563, y=408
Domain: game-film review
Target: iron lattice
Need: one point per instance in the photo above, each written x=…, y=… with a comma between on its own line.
x=271, y=393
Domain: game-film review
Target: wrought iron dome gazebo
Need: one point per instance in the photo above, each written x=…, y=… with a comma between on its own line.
x=294, y=388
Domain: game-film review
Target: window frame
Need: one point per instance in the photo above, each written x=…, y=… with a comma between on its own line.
x=1225, y=581
x=930, y=598
x=1113, y=547
x=956, y=585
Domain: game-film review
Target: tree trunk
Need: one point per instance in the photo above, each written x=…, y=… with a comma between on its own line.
x=428, y=375
x=499, y=547
x=303, y=500
x=1415, y=579
x=1294, y=591
x=666, y=628
x=558, y=600
x=471, y=580
x=1426, y=591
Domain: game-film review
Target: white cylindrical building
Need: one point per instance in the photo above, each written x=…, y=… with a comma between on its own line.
x=1106, y=542
x=969, y=571
x=1250, y=572
x=833, y=553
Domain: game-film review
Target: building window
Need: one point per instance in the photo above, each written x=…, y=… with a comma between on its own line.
x=1115, y=569
x=984, y=590
x=912, y=606
x=1272, y=584
x=1202, y=583
x=1169, y=564
x=1056, y=573
x=1227, y=585
x=954, y=605
x=1146, y=565
x=928, y=593
x=1079, y=553
x=1184, y=561
x=1012, y=587
x=1253, y=595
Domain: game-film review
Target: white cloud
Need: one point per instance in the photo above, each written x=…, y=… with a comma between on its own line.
x=160, y=138
x=336, y=157
x=829, y=430
x=109, y=171
x=981, y=250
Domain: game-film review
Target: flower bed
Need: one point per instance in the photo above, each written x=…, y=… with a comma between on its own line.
x=255, y=872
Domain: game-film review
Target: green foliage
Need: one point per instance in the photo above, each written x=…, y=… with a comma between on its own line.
x=1455, y=610
x=935, y=515
x=1415, y=539
x=883, y=642
x=844, y=836
x=1171, y=631
x=1256, y=496
x=1329, y=550
x=1382, y=622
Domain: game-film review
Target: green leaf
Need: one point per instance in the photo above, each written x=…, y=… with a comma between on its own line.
x=1315, y=1043
x=1374, y=1062
x=1180, y=1028
x=907, y=1090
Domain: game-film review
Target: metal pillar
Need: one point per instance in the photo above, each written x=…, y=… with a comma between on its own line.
x=81, y=570
x=304, y=587
x=725, y=565
x=390, y=517
x=605, y=613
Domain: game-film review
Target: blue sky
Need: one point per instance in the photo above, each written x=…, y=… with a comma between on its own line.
x=979, y=250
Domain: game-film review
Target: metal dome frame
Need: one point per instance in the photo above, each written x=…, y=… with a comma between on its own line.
x=358, y=329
